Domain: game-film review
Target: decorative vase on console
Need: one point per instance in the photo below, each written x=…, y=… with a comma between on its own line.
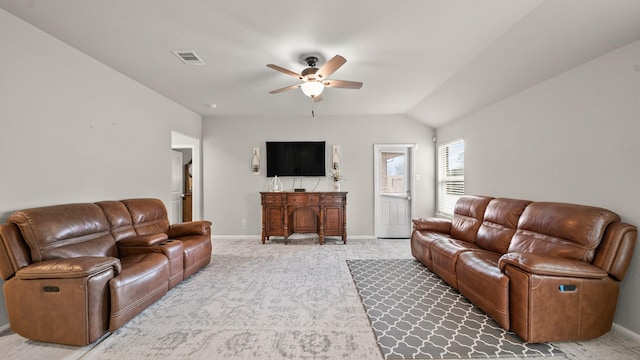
x=276, y=184
x=336, y=177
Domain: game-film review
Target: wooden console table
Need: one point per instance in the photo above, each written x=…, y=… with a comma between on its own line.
x=285, y=213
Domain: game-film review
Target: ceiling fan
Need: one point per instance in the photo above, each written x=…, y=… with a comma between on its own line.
x=315, y=79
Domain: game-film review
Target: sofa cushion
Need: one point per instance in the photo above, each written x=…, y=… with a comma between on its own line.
x=467, y=217
x=481, y=281
x=563, y=230
x=149, y=216
x=119, y=218
x=500, y=223
x=444, y=255
x=143, y=280
x=421, y=245
x=197, y=253
x=64, y=231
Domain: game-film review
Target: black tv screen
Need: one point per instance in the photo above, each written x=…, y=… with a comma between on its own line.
x=295, y=158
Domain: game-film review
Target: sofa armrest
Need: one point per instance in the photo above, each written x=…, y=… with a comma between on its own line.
x=432, y=224
x=551, y=266
x=68, y=268
x=201, y=227
x=142, y=240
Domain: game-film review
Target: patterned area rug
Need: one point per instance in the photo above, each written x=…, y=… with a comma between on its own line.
x=416, y=315
x=255, y=301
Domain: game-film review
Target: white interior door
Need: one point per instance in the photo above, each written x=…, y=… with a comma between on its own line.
x=177, y=184
x=393, y=189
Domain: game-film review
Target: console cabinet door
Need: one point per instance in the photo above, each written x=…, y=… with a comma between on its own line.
x=274, y=220
x=333, y=222
x=305, y=220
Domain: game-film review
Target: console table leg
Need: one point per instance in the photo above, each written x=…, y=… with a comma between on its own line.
x=344, y=231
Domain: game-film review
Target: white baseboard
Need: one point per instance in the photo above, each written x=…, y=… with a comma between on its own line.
x=235, y=237
x=4, y=327
x=626, y=332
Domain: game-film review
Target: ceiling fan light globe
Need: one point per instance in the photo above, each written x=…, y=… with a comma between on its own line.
x=312, y=88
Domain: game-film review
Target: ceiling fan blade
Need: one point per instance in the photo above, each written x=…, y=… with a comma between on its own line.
x=285, y=89
x=345, y=84
x=317, y=98
x=285, y=71
x=330, y=67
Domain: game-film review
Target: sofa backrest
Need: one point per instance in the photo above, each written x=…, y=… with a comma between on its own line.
x=563, y=230
x=467, y=216
x=149, y=216
x=499, y=224
x=119, y=219
x=65, y=231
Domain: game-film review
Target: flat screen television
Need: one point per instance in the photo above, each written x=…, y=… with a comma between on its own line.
x=295, y=158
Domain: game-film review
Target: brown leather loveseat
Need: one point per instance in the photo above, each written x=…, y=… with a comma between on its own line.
x=547, y=271
x=75, y=271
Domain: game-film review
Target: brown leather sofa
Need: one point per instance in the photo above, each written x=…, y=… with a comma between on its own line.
x=546, y=271
x=73, y=272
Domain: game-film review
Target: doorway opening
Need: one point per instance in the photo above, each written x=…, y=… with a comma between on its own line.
x=186, y=192
x=182, y=185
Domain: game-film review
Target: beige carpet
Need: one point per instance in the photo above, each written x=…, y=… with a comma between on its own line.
x=271, y=301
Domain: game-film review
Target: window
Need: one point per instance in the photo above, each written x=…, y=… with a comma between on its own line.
x=392, y=173
x=450, y=175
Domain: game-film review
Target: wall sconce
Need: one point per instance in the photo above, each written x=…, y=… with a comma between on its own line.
x=336, y=160
x=255, y=161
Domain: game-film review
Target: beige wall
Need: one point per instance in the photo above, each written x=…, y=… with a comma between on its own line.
x=74, y=130
x=231, y=192
x=573, y=138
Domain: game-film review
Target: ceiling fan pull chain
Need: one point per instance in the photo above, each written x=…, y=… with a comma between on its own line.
x=313, y=104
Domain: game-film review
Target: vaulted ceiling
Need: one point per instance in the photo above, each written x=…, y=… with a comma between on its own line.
x=433, y=60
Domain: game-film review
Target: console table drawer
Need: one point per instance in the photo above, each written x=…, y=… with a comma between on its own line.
x=303, y=199
x=334, y=199
x=272, y=199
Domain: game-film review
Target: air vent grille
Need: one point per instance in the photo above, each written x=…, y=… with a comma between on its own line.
x=189, y=57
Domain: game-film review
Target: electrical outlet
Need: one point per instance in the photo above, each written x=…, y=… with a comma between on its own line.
x=244, y=222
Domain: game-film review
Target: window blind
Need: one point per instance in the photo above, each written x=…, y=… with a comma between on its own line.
x=450, y=175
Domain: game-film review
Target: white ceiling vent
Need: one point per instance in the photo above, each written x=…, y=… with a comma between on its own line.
x=189, y=57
